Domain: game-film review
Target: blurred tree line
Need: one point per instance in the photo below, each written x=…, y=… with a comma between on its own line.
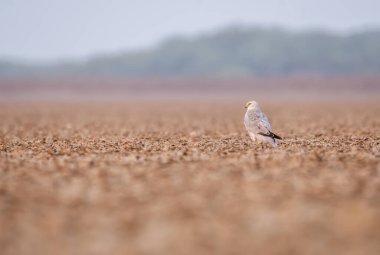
x=232, y=51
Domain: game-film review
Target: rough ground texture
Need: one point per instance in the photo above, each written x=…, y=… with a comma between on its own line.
x=183, y=178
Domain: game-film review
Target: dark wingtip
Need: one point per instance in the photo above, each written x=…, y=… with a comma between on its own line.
x=273, y=135
x=276, y=136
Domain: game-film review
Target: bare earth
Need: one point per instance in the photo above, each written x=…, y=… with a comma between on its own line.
x=183, y=178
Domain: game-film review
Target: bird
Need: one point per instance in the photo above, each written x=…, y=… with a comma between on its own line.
x=258, y=126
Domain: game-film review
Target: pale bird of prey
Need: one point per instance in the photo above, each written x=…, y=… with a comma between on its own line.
x=258, y=126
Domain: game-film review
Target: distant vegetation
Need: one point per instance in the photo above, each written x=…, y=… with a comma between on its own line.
x=232, y=51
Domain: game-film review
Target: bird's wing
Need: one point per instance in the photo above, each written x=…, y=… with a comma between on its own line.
x=258, y=123
x=265, y=130
x=265, y=121
x=271, y=134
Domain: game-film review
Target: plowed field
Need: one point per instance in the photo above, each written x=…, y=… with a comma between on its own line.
x=183, y=178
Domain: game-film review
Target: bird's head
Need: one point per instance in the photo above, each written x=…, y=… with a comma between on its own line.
x=251, y=104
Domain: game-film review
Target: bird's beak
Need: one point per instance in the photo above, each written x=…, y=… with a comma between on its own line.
x=245, y=107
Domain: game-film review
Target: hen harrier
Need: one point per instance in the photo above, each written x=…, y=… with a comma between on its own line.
x=258, y=126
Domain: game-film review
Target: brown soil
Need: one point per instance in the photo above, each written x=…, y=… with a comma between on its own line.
x=183, y=178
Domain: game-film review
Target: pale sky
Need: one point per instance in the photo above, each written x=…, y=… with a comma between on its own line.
x=48, y=30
